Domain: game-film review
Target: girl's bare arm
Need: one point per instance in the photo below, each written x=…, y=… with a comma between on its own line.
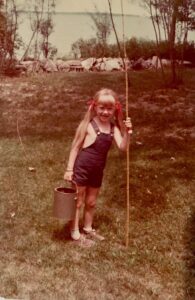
x=72, y=157
x=123, y=141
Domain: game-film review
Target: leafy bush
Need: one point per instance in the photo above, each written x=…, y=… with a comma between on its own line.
x=135, y=48
x=8, y=68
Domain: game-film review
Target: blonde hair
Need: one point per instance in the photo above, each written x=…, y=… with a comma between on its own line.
x=118, y=118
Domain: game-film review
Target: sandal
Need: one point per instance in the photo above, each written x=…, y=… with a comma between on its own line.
x=93, y=234
x=84, y=242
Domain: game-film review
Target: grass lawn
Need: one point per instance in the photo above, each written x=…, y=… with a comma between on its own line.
x=39, y=115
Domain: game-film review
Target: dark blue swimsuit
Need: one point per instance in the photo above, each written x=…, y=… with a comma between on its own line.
x=90, y=162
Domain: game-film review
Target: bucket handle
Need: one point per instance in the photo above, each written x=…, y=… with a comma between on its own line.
x=73, y=183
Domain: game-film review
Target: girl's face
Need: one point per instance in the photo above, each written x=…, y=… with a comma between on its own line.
x=105, y=108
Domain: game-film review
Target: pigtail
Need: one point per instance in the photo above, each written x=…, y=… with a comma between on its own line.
x=119, y=117
x=82, y=128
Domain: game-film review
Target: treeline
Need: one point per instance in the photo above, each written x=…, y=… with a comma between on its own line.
x=135, y=48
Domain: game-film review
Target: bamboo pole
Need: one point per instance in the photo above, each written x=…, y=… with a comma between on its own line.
x=127, y=115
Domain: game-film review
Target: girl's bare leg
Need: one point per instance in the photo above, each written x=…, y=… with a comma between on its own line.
x=90, y=203
x=75, y=234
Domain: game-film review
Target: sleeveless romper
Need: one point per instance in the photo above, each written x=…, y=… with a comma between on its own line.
x=90, y=162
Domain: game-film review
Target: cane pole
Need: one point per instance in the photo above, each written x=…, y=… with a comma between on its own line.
x=127, y=115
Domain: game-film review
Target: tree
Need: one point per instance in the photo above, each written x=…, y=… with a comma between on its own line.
x=46, y=28
x=88, y=48
x=172, y=20
x=102, y=27
x=2, y=29
x=9, y=39
x=41, y=26
x=35, y=18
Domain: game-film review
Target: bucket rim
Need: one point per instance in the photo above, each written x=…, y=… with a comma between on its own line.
x=56, y=189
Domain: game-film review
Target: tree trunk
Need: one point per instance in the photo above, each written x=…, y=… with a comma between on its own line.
x=157, y=41
x=29, y=44
x=172, y=43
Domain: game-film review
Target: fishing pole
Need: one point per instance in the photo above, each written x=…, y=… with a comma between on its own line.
x=127, y=115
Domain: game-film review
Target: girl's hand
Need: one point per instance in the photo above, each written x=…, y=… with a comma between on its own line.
x=128, y=125
x=68, y=175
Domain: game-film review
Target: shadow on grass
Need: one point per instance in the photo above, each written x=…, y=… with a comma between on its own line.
x=62, y=233
x=189, y=239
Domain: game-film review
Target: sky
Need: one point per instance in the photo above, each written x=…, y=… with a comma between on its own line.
x=131, y=7
x=68, y=28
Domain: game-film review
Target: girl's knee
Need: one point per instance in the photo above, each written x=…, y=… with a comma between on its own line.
x=91, y=203
x=91, y=197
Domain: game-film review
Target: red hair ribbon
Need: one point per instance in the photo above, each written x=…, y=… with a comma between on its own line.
x=118, y=107
x=91, y=103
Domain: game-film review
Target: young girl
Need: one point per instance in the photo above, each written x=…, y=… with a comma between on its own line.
x=101, y=124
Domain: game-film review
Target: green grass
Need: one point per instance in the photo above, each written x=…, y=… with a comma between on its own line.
x=38, y=260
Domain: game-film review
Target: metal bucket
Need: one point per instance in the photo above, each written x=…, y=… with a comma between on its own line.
x=65, y=202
